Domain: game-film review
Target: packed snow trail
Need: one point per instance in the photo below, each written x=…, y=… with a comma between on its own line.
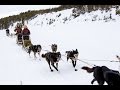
x=17, y=66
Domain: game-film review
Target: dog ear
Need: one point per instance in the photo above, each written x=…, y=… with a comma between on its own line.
x=76, y=50
x=117, y=56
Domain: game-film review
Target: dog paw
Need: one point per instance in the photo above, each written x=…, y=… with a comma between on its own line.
x=76, y=70
x=51, y=70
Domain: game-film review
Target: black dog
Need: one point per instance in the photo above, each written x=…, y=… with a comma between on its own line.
x=73, y=55
x=102, y=74
x=112, y=77
x=7, y=32
x=52, y=58
x=35, y=49
x=54, y=47
x=97, y=74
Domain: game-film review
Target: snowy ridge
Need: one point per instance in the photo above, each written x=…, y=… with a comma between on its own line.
x=65, y=16
x=8, y=10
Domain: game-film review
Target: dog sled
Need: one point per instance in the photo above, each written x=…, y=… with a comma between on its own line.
x=26, y=41
x=19, y=39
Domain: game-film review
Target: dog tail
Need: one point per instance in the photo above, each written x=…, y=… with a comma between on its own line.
x=89, y=70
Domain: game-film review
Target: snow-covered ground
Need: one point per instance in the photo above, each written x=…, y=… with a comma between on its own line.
x=97, y=43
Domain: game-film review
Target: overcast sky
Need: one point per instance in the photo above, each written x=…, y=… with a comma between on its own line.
x=6, y=10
